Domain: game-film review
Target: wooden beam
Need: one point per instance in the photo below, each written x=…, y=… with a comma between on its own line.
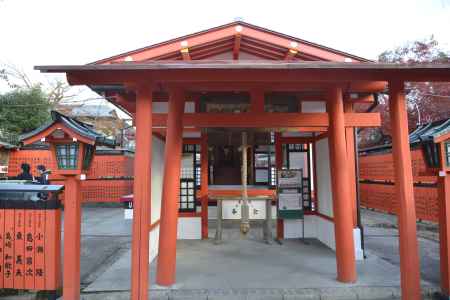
x=268, y=120
x=359, y=98
x=127, y=101
x=217, y=72
x=296, y=139
x=442, y=138
x=237, y=46
x=362, y=119
x=355, y=86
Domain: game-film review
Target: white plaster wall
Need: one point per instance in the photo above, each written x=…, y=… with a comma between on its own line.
x=189, y=228
x=359, y=253
x=157, y=177
x=325, y=232
x=321, y=229
x=293, y=229
x=154, y=243
x=157, y=182
x=323, y=184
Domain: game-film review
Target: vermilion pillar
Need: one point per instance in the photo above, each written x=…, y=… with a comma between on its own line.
x=142, y=194
x=444, y=228
x=342, y=202
x=72, y=230
x=350, y=139
x=171, y=190
x=279, y=165
x=409, y=258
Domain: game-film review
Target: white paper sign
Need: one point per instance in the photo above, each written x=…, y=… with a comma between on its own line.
x=289, y=201
x=290, y=178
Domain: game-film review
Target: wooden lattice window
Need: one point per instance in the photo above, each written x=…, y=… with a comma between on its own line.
x=67, y=156
x=190, y=178
x=187, y=195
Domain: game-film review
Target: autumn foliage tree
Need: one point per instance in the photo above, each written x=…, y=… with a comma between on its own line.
x=426, y=101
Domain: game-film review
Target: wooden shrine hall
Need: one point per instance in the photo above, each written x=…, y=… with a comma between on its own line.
x=198, y=93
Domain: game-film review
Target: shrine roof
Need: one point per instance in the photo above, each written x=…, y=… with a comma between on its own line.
x=430, y=131
x=80, y=128
x=272, y=70
x=242, y=64
x=427, y=132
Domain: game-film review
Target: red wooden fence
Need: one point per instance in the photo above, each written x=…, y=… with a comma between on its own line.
x=109, y=177
x=377, y=188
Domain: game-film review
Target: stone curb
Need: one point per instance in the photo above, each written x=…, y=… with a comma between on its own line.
x=345, y=293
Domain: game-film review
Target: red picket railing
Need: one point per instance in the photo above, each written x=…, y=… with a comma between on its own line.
x=109, y=177
x=377, y=190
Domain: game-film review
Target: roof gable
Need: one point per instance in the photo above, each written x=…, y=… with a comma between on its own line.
x=237, y=40
x=69, y=125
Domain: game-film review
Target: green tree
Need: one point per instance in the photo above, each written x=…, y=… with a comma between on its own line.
x=22, y=110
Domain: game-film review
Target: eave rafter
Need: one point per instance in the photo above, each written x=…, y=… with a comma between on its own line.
x=212, y=52
x=257, y=52
x=211, y=49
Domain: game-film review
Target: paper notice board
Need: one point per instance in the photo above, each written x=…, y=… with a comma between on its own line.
x=289, y=188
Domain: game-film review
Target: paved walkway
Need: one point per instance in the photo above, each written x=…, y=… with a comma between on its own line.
x=381, y=239
x=250, y=269
x=247, y=269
